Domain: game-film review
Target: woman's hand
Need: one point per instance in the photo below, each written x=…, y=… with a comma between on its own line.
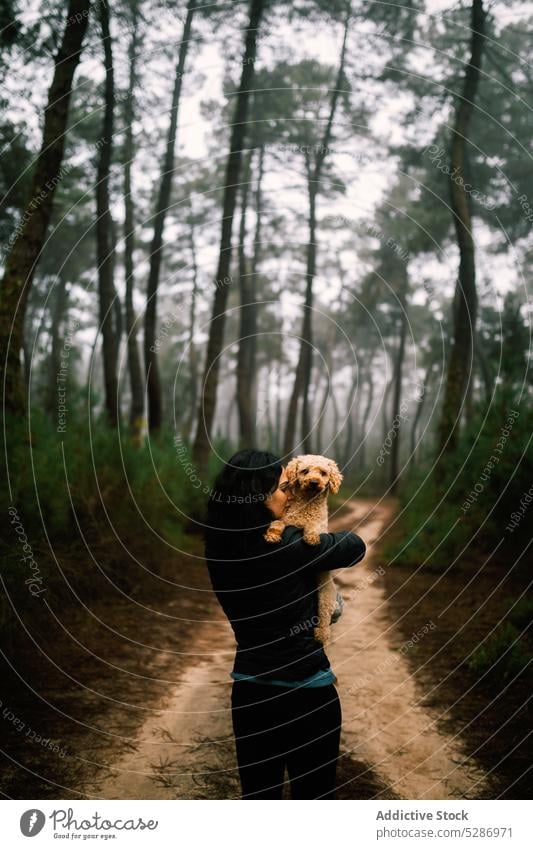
x=337, y=613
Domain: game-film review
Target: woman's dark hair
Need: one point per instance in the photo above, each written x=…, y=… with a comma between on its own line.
x=236, y=511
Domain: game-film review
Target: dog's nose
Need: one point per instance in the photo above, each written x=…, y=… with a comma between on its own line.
x=314, y=484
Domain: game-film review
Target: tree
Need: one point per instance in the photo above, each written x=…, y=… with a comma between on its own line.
x=216, y=331
x=314, y=164
x=192, y=381
x=465, y=301
x=15, y=177
x=248, y=279
x=263, y=112
x=54, y=362
x=495, y=178
x=403, y=283
x=153, y=383
x=31, y=232
x=10, y=26
x=134, y=361
x=105, y=242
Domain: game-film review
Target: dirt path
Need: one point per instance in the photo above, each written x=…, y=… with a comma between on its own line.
x=186, y=750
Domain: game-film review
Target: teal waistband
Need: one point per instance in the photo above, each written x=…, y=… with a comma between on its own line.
x=319, y=679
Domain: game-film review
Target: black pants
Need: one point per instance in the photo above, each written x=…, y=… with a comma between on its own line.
x=278, y=727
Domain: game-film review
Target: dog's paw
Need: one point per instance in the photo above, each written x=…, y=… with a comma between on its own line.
x=272, y=535
x=311, y=538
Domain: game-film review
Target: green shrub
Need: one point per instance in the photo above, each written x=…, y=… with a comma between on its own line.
x=94, y=475
x=469, y=511
x=522, y=614
x=503, y=655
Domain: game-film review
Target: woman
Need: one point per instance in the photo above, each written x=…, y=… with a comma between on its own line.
x=285, y=706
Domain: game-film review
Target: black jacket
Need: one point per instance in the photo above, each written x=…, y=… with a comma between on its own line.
x=270, y=599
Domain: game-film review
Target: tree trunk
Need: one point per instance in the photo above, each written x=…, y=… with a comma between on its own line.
x=331, y=343
x=384, y=411
x=246, y=408
x=350, y=421
x=321, y=415
x=289, y=440
x=30, y=236
x=270, y=412
x=397, y=398
x=307, y=329
x=468, y=408
x=336, y=417
x=279, y=388
x=153, y=383
x=262, y=409
x=419, y=408
x=117, y=311
x=366, y=414
x=303, y=371
x=465, y=301
x=192, y=397
x=54, y=362
x=488, y=380
x=312, y=396
x=396, y=411
x=26, y=360
x=134, y=360
x=233, y=415
x=216, y=330
x=105, y=248
x=117, y=306
x=27, y=347
x=256, y=257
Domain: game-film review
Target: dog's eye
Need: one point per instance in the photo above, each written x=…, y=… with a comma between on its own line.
x=304, y=471
x=322, y=473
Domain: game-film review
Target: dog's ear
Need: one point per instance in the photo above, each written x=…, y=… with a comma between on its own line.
x=335, y=477
x=292, y=470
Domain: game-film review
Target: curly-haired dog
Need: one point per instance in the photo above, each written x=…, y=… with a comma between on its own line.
x=310, y=478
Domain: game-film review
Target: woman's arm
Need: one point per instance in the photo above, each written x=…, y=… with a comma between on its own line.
x=336, y=551
x=337, y=613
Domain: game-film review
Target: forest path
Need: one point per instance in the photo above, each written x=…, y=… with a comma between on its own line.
x=390, y=739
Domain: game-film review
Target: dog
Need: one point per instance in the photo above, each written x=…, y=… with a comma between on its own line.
x=310, y=478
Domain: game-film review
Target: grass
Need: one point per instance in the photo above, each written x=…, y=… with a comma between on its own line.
x=91, y=493
x=503, y=656
x=94, y=475
x=468, y=513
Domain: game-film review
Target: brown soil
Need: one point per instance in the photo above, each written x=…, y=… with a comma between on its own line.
x=490, y=712
x=86, y=668
x=134, y=690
